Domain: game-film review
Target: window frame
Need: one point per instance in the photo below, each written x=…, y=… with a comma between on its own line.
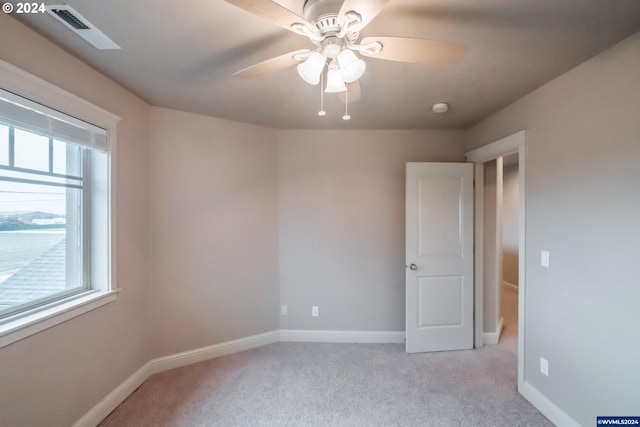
x=103, y=261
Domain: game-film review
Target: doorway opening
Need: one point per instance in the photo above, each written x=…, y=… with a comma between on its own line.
x=508, y=280
x=488, y=287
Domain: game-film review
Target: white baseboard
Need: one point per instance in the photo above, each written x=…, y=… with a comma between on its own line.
x=185, y=358
x=494, y=337
x=115, y=398
x=368, y=337
x=547, y=407
x=509, y=285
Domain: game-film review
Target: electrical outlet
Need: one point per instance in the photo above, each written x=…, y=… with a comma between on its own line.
x=544, y=366
x=314, y=311
x=283, y=310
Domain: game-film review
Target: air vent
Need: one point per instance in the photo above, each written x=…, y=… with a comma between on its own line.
x=70, y=19
x=81, y=26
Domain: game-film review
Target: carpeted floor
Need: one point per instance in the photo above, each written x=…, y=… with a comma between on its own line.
x=299, y=384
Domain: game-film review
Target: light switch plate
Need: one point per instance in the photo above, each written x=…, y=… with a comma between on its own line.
x=544, y=366
x=544, y=258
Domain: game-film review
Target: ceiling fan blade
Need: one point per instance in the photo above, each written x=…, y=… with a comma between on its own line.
x=273, y=12
x=353, y=93
x=368, y=9
x=274, y=64
x=419, y=51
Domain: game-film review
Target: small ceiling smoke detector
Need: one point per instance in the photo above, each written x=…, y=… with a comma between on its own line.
x=440, y=108
x=79, y=25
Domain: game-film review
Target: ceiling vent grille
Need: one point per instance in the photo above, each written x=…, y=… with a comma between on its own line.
x=70, y=19
x=81, y=26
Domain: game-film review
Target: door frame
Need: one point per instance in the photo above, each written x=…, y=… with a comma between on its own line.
x=511, y=144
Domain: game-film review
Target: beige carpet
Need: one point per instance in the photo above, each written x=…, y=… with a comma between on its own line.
x=299, y=384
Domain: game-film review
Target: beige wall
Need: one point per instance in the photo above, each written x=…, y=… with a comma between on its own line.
x=582, y=205
x=510, y=202
x=492, y=278
x=214, y=222
x=56, y=376
x=342, y=200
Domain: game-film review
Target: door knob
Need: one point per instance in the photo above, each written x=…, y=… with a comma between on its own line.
x=413, y=267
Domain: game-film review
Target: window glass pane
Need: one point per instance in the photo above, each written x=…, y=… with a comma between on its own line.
x=40, y=238
x=59, y=157
x=4, y=145
x=31, y=150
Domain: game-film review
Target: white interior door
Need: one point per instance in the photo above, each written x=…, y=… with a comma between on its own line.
x=439, y=256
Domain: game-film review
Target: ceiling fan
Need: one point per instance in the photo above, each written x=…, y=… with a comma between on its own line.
x=334, y=26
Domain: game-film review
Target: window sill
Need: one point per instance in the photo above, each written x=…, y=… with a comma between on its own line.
x=53, y=314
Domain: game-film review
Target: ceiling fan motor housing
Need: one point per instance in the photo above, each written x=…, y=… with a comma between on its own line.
x=324, y=15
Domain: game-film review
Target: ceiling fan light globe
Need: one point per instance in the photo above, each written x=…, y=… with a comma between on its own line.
x=311, y=68
x=352, y=67
x=335, y=82
x=354, y=71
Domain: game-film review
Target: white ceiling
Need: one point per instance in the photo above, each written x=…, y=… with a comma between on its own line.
x=182, y=54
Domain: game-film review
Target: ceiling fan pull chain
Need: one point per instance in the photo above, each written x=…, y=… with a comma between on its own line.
x=346, y=105
x=322, y=113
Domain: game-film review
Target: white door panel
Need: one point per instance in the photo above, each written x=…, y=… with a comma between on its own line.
x=439, y=256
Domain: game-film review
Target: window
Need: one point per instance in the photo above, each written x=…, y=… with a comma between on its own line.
x=55, y=207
